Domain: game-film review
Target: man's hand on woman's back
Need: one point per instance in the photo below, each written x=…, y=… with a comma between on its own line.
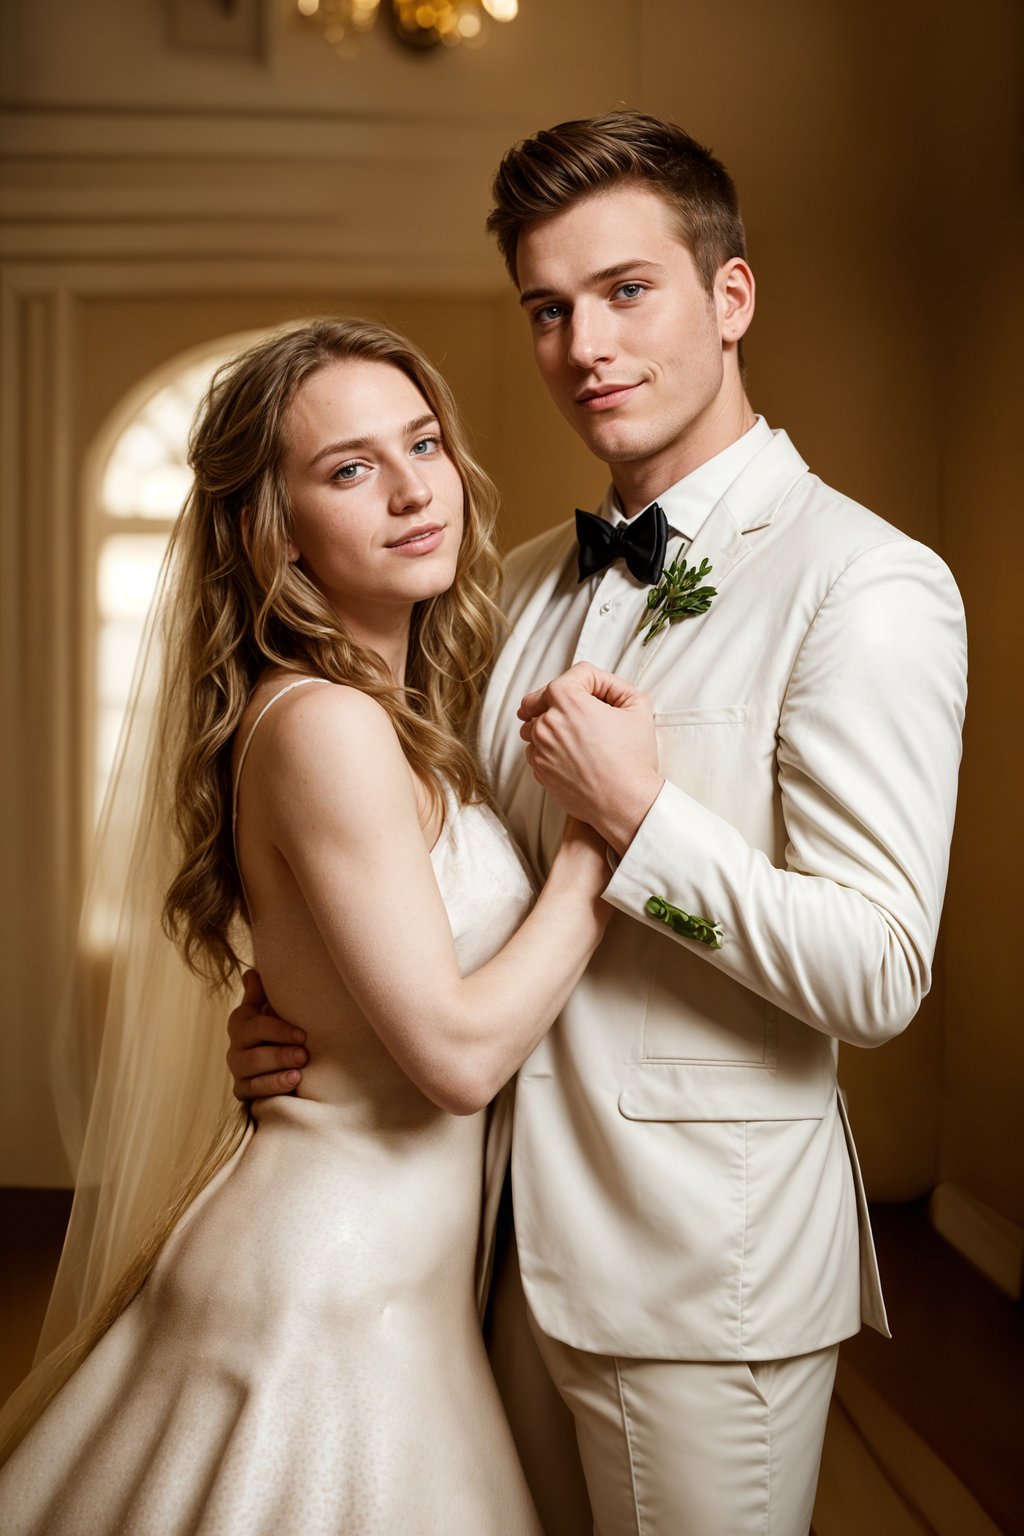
x=265, y=1052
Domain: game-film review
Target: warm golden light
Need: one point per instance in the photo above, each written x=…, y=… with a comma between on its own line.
x=420, y=24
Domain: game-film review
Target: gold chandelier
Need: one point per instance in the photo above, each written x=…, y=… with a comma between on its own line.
x=420, y=24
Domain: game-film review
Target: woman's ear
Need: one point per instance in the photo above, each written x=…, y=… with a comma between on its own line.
x=292, y=551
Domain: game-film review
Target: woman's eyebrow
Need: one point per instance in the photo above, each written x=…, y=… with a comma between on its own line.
x=369, y=438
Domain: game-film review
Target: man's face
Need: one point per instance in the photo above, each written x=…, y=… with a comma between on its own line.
x=626, y=337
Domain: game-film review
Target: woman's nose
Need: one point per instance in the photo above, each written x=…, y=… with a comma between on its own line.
x=411, y=490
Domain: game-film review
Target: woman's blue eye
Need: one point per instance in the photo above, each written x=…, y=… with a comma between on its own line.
x=425, y=445
x=346, y=472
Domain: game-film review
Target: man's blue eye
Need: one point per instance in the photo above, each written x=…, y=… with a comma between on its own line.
x=631, y=290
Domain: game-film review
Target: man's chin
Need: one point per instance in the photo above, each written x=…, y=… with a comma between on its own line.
x=618, y=444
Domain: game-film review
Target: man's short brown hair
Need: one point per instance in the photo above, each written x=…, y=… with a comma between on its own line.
x=546, y=174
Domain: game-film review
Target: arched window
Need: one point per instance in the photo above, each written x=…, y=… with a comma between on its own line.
x=142, y=480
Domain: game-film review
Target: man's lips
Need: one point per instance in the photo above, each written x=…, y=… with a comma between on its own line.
x=604, y=397
x=419, y=541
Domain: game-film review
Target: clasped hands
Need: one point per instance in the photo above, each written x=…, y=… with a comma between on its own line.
x=590, y=742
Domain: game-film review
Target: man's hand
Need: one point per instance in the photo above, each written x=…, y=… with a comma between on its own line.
x=265, y=1052
x=590, y=742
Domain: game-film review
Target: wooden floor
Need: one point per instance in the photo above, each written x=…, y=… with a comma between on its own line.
x=949, y=1391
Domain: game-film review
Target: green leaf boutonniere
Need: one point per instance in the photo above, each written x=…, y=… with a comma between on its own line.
x=677, y=596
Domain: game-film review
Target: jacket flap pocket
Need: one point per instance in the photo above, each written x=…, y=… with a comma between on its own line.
x=660, y=1090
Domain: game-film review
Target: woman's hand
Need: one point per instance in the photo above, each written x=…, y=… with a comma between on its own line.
x=265, y=1052
x=582, y=864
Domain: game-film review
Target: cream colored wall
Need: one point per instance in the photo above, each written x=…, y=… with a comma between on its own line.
x=479, y=342
x=980, y=348
x=175, y=198
x=561, y=57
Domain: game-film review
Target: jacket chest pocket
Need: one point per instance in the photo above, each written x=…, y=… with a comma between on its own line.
x=705, y=752
x=694, y=1012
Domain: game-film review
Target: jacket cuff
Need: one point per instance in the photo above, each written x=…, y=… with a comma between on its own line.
x=661, y=879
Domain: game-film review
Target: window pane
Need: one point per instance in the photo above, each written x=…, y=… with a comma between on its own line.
x=147, y=474
x=146, y=477
x=126, y=577
x=129, y=564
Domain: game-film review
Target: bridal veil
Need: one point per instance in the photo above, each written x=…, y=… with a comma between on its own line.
x=142, y=1092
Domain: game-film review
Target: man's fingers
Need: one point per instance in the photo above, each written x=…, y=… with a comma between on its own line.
x=584, y=676
x=249, y=1025
x=533, y=704
x=263, y=1059
x=252, y=989
x=609, y=687
x=267, y=1086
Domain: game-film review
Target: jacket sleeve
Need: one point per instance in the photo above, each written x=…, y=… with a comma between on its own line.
x=841, y=933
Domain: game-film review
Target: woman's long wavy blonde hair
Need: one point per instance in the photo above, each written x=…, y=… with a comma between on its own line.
x=238, y=606
x=243, y=606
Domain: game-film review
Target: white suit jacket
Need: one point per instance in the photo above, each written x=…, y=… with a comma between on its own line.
x=685, y=1184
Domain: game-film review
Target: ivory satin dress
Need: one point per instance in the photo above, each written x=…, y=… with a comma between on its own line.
x=305, y=1357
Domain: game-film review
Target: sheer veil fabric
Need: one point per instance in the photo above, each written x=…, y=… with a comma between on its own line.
x=142, y=1091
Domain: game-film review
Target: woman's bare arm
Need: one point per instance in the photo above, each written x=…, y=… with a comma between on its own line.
x=334, y=793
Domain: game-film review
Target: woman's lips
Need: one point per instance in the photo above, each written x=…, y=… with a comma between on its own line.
x=419, y=541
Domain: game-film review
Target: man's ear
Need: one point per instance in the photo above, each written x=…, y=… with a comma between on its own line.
x=734, y=299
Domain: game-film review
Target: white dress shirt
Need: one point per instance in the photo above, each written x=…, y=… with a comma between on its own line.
x=609, y=605
x=593, y=619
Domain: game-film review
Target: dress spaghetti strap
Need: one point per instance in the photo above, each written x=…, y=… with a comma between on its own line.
x=298, y=683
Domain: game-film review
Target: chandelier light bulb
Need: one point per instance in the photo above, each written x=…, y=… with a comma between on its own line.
x=418, y=24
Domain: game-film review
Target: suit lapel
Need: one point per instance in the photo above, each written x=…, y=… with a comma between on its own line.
x=750, y=503
x=723, y=546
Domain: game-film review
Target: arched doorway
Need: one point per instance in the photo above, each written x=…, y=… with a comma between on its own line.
x=137, y=480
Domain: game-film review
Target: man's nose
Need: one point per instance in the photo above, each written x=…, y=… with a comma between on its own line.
x=590, y=338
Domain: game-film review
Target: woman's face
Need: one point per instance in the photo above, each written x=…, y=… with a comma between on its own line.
x=376, y=503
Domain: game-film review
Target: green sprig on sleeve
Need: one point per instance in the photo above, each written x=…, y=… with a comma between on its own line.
x=687, y=924
x=677, y=596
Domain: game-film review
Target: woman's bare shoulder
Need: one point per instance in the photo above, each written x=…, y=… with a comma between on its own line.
x=288, y=707
x=317, y=738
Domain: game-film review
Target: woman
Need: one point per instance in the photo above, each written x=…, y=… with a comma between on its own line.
x=326, y=1373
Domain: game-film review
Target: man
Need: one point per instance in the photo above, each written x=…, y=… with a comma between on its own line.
x=778, y=804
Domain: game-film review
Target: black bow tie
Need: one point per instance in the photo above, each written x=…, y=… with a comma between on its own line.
x=641, y=543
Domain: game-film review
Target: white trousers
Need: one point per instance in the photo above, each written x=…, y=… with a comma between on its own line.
x=695, y=1448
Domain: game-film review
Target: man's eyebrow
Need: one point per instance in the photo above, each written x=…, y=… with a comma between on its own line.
x=429, y=420
x=604, y=275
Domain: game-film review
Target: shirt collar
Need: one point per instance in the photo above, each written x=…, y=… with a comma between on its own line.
x=688, y=503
